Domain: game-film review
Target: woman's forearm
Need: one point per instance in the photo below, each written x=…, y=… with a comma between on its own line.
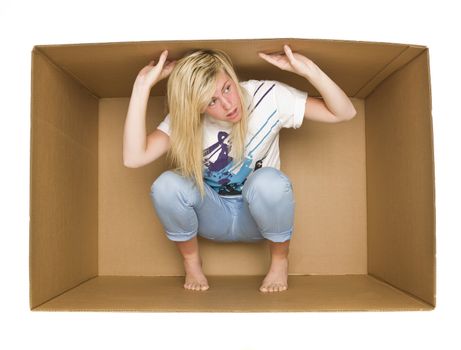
x=334, y=97
x=134, y=134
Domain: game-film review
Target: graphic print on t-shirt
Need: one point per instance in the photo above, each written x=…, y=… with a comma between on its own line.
x=220, y=168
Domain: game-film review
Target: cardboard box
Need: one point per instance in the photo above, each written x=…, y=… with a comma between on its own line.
x=364, y=236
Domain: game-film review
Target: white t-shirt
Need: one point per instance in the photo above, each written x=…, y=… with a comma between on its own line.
x=272, y=105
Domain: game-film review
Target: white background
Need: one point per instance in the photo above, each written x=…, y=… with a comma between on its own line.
x=24, y=24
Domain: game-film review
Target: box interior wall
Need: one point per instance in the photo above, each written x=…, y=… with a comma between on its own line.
x=364, y=235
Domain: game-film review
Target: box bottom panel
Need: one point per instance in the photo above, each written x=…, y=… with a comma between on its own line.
x=234, y=294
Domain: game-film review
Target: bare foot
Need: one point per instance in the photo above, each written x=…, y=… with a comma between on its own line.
x=277, y=278
x=195, y=279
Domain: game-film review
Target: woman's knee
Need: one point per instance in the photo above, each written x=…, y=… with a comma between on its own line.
x=267, y=183
x=169, y=184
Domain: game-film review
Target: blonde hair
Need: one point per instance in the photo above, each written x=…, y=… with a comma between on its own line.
x=190, y=87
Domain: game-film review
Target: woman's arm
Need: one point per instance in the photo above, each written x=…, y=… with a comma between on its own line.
x=134, y=134
x=334, y=107
x=334, y=97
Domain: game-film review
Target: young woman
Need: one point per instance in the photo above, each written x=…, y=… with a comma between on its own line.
x=223, y=135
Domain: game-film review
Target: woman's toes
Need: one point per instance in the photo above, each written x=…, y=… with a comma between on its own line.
x=277, y=287
x=273, y=287
x=196, y=286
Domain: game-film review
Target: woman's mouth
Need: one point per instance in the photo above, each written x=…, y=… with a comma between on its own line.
x=233, y=114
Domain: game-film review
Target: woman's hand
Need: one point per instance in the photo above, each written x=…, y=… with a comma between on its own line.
x=291, y=62
x=152, y=74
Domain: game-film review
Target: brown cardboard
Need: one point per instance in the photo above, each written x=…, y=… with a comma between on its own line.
x=364, y=235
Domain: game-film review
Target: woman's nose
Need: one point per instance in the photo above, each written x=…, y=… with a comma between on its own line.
x=226, y=103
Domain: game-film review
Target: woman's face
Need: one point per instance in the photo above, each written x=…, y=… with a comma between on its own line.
x=225, y=103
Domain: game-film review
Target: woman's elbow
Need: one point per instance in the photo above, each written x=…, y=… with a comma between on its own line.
x=351, y=113
x=129, y=163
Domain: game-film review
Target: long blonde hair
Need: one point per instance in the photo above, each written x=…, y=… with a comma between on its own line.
x=190, y=88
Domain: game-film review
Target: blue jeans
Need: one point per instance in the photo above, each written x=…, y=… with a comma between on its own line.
x=264, y=210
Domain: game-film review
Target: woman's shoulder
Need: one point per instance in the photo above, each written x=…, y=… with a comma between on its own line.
x=251, y=82
x=253, y=85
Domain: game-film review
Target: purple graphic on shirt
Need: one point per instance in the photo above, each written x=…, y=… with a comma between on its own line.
x=220, y=174
x=223, y=157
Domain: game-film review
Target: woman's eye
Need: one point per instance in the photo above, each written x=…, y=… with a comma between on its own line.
x=213, y=101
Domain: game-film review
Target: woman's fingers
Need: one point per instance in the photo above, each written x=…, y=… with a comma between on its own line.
x=275, y=60
x=289, y=53
x=163, y=57
x=285, y=60
x=272, y=58
x=267, y=58
x=262, y=55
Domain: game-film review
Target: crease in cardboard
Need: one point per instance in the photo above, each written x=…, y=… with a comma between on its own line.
x=64, y=292
x=372, y=81
x=66, y=136
x=36, y=50
x=397, y=289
